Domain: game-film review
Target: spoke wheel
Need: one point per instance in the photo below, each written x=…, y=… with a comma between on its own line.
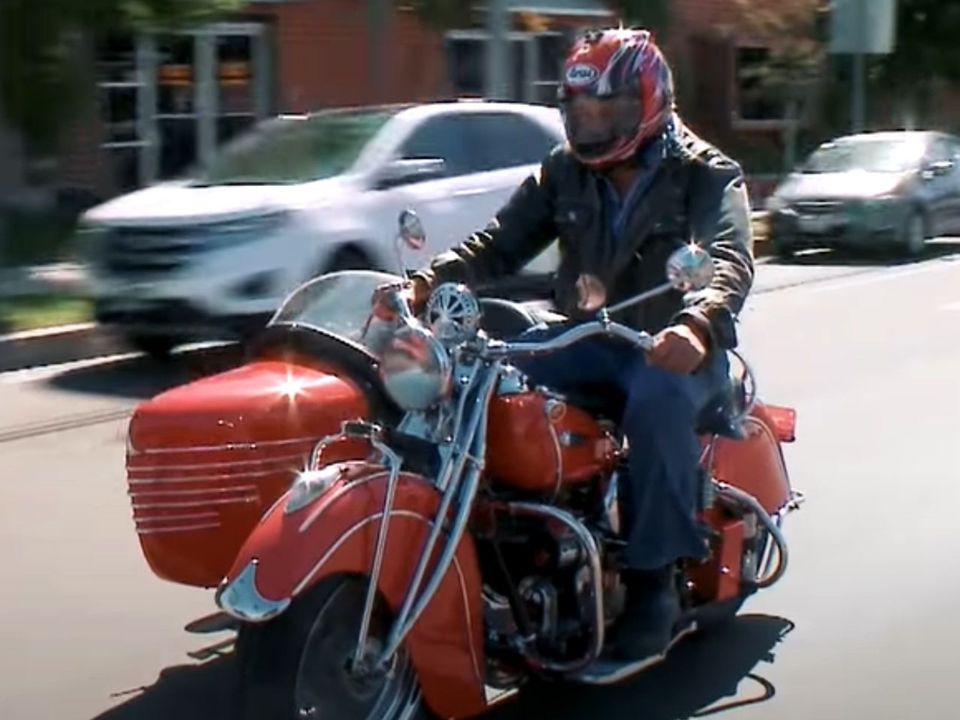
x=331, y=686
x=301, y=665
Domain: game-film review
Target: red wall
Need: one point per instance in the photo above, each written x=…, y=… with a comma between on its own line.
x=324, y=56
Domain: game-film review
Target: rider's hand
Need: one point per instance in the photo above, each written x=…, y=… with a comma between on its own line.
x=591, y=294
x=678, y=349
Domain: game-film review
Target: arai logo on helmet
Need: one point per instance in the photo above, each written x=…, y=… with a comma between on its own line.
x=581, y=75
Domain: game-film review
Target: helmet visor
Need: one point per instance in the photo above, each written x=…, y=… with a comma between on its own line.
x=595, y=125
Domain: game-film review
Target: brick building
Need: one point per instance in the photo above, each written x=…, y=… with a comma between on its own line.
x=164, y=102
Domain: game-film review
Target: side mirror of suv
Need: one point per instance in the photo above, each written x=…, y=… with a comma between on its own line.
x=404, y=172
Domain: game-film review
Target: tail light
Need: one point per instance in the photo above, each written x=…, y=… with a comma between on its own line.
x=784, y=421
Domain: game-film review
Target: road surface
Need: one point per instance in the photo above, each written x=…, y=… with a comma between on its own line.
x=863, y=626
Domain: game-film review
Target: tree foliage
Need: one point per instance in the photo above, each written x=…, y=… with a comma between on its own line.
x=39, y=46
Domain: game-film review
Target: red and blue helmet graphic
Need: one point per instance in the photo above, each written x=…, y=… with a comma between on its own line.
x=626, y=71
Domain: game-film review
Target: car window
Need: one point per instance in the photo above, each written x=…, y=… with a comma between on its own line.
x=941, y=149
x=479, y=142
x=504, y=140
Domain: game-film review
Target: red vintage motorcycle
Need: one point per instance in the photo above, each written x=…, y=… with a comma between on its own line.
x=400, y=526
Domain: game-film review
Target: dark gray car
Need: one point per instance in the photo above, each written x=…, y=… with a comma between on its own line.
x=889, y=190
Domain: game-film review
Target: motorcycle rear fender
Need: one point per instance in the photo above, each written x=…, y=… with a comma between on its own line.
x=287, y=554
x=755, y=464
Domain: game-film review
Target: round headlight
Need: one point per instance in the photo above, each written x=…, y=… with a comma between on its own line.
x=415, y=369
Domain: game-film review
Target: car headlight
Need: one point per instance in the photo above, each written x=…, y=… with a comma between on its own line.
x=415, y=369
x=309, y=485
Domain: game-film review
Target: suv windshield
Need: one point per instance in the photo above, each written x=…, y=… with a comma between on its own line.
x=291, y=150
x=339, y=304
x=883, y=156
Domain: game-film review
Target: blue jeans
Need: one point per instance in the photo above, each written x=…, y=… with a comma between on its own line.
x=659, y=499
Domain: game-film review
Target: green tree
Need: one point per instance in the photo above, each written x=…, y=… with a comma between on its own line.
x=40, y=42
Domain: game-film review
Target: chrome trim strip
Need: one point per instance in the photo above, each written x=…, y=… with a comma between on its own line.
x=179, y=528
x=330, y=497
x=177, y=518
x=225, y=446
x=210, y=466
x=351, y=531
x=192, y=493
x=211, y=478
x=199, y=504
x=548, y=407
x=241, y=599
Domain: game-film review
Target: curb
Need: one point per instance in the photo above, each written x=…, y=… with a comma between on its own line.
x=68, y=343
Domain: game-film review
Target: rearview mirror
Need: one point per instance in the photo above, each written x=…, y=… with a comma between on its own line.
x=411, y=230
x=403, y=172
x=689, y=268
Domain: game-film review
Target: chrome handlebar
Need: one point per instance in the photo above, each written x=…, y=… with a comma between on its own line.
x=643, y=340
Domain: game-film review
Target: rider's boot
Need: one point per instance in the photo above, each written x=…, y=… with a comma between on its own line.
x=651, y=613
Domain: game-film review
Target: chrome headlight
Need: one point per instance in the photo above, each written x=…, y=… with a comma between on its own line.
x=415, y=369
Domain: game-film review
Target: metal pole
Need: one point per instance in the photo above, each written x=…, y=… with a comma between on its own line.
x=498, y=50
x=859, y=70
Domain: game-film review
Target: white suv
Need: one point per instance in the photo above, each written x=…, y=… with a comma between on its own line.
x=211, y=256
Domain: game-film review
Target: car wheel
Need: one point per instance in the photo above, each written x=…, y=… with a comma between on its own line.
x=348, y=258
x=782, y=250
x=914, y=238
x=157, y=347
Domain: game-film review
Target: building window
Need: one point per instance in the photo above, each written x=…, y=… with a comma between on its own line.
x=535, y=65
x=120, y=87
x=757, y=96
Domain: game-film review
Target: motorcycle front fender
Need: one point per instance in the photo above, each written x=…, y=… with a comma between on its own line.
x=289, y=553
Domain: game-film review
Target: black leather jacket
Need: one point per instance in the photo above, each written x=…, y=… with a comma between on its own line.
x=697, y=193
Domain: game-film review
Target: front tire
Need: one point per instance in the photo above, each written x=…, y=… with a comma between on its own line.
x=298, y=667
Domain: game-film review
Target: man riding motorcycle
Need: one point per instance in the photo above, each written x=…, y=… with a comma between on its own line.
x=630, y=186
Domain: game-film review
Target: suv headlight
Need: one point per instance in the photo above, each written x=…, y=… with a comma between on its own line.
x=415, y=368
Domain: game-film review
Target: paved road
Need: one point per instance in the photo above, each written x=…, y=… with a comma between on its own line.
x=863, y=626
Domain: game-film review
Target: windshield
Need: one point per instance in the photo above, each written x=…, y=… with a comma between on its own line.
x=883, y=156
x=291, y=150
x=339, y=304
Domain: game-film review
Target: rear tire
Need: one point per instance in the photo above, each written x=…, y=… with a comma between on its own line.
x=297, y=665
x=348, y=258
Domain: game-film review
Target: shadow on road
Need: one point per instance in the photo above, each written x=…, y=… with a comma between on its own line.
x=941, y=247
x=702, y=677
x=142, y=377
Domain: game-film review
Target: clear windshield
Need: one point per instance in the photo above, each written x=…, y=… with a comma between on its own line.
x=295, y=149
x=883, y=156
x=339, y=304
